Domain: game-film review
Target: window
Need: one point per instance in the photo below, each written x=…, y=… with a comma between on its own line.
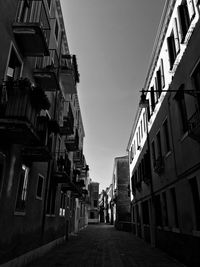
x=158, y=211
x=139, y=135
x=51, y=199
x=152, y=98
x=2, y=169
x=186, y=13
x=95, y=203
x=91, y=215
x=196, y=78
x=144, y=121
x=62, y=204
x=196, y=200
x=171, y=49
x=159, y=83
x=166, y=136
x=141, y=129
x=162, y=73
x=180, y=98
x=40, y=187
x=14, y=66
x=22, y=189
x=134, y=148
x=49, y=3
x=174, y=206
x=159, y=148
x=24, y=8
x=153, y=151
x=164, y=209
x=56, y=30
x=145, y=212
x=176, y=36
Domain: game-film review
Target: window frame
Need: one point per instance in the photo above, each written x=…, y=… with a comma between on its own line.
x=37, y=196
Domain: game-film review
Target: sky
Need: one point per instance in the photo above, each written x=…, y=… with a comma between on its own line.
x=113, y=41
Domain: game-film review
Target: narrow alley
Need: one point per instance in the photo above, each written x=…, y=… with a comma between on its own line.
x=102, y=245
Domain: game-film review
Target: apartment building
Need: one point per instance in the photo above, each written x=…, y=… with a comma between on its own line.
x=121, y=192
x=164, y=149
x=93, y=207
x=43, y=172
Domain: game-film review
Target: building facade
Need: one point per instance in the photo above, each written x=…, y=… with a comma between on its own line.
x=121, y=193
x=164, y=149
x=43, y=172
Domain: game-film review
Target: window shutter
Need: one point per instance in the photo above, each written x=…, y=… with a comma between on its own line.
x=176, y=37
x=169, y=45
x=181, y=23
x=156, y=94
x=162, y=73
x=190, y=6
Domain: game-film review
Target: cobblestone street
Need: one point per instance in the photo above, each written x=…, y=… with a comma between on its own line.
x=103, y=246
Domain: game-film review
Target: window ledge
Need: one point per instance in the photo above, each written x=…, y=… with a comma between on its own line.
x=19, y=213
x=38, y=198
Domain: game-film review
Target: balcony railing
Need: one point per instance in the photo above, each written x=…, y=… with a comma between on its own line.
x=32, y=28
x=20, y=104
x=67, y=75
x=159, y=165
x=62, y=172
x=72, y=142
x=68, y=123
x=39, y=151
x=194, y=126
x=46, y=71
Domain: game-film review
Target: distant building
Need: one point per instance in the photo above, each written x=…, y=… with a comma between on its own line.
x=93, y=207
x=121, y=195
x=164, y=145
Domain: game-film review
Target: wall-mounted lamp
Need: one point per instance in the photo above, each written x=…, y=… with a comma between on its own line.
x=144, y=102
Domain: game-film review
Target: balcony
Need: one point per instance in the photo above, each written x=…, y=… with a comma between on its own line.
x=32, y=28
x=72, y=142
x=67, y=75
x=19, y=110
x=46, y=71
x=39, y=151
x=194, y=126
x=68, y=122
x=159, y=165
x=62, y=173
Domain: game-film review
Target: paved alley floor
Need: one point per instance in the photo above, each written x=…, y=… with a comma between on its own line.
x=103, y=246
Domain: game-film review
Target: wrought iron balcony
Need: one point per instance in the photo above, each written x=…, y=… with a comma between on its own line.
x=32, y=28
x=20, y=104
x=39, y=151
x=68, y=122
x=194, y=126
x=67, y=74
x=159, y=165
x=72, y=142
x=62, y=171
x=46, y=71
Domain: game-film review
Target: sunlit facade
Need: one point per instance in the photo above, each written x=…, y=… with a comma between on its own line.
x=164, y=147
